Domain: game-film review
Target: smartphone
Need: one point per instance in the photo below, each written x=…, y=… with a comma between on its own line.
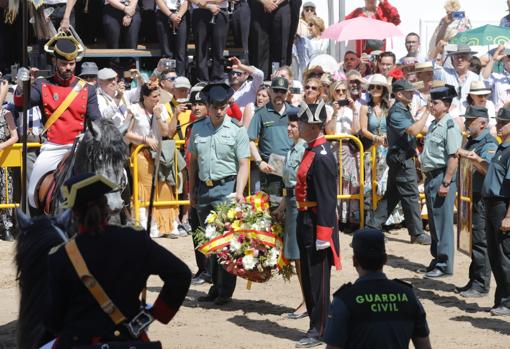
x=343, y=102
x=458, y=15
x=295, y=90
x=127, y=75
x=227, y=64
x=274, y=67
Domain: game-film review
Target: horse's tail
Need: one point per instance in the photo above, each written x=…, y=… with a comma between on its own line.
x=35, y=239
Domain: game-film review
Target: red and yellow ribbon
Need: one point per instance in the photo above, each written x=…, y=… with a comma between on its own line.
x=259, y=201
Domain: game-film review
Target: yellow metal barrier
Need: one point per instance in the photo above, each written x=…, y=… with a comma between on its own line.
x=10, y=158
x=361, y=195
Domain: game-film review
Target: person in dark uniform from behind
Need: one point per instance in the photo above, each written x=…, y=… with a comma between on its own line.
x=317, y=233
x=218, y=168
x=240, y=20
x=496, y=193
x=402, y=178
x=479, y=149
x=375, y=312
x=120, y=259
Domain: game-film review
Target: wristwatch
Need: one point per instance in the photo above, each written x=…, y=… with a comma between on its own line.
x=446, y=185
x=258, y=163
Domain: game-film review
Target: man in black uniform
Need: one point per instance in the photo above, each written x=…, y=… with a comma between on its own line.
x=375, y=312
x=120, y=259
x=496, y=193
x=317, y=233
x=479, y=149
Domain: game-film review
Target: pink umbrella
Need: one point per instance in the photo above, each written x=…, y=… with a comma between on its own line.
x=361, y=28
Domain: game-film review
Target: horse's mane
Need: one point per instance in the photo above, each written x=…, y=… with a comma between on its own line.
x=101, y=144
x=35, y=241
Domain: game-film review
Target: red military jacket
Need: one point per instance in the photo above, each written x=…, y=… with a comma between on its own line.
x=316, y=190
x=48, y=94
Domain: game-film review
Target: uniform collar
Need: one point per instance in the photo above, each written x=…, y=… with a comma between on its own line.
x=481, y=136
x=316, y=142
x=269, y=107
x=58, y=80
x=226, y=120
x=505, y=145
x=376, y=275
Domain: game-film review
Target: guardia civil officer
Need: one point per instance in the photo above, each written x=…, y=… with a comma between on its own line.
x=479, y=149
x=269, y=127
x=496, y=193
x=120, y=259
x=402, y=178
x=317, y=233
x=219, y=166
x=375, y=312
x=439, y=164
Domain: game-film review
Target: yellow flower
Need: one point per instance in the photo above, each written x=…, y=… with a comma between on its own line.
x=211, y=217
x=248, y=252
x=276, y=228
x=236, y=225
x=231, y=214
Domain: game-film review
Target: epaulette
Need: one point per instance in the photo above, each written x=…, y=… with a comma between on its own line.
x=450, y=123
x=408, y=284
x=54, y=249
x=235, y=122
x=342, y=288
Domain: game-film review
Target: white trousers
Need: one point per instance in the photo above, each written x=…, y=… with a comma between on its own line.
x=50, y=156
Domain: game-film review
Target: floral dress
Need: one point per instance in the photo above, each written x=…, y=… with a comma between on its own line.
x=6, y=183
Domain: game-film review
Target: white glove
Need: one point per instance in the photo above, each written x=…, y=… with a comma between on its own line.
x=22, y=75
x=321, y=245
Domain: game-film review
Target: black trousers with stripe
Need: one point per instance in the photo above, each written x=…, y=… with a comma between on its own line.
x=315, y=273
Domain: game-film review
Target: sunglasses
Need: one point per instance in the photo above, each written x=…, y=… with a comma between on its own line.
x=341, y=90
x=171, y=78
x=236, y=73
x=311, y=25
x=314, y=88
x=374, y=87
x=308, y=9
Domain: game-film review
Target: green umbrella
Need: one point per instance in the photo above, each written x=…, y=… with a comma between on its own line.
x=484, y=35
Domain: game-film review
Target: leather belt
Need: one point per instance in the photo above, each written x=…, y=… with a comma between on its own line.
x=305, y=205
x=435, y=172
x=289, y=192
x=210, y=183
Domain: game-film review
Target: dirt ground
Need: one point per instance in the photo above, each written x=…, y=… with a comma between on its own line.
x=254, y=319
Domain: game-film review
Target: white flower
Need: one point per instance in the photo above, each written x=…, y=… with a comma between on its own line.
x=249, y=262
x=234, y=245
x=272, y=258
x=210, y=231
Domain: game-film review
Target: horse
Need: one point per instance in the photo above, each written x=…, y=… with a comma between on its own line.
x=36, y=237
x=100, y=149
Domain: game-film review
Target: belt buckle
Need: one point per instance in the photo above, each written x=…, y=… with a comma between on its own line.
x=209, y=183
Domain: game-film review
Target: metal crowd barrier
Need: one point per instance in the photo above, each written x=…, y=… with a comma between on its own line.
x=12, y=158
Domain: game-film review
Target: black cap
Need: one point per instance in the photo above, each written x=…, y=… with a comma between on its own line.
x=312, y=113
x=474, y=112
x=216, y=93
x=443, y=93
x=368, y=241
x=402, y=85
x=65, y=49
x=81, y=189
x=503, y=114
x=280, y=83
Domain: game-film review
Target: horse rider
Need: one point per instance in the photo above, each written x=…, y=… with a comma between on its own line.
x=95, y=279
x=66, y=102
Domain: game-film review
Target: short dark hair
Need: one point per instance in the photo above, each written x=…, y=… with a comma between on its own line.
x=413, y=34
x=371, y=261
x=475, y=65
x=388, y=54
x=351, y=53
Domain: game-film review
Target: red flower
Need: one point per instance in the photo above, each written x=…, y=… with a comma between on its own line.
x=397, y=74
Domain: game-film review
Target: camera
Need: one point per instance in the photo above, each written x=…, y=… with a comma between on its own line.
x=295, y=90
x=227, y=64
x=343, y=102
x=168, y=65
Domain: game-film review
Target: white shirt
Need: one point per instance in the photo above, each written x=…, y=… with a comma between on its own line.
x=110, y=109
x=223, y=4
x=500, y=86
x=319, y=46
x=450, y=77
x=142, y=120
x=173, y=5
x=247, y=93
x=344, y=120
x=419, y=58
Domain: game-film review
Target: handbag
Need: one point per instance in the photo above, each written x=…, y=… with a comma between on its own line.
x=106, y=304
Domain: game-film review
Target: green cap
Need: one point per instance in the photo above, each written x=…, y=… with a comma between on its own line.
x=280, y=83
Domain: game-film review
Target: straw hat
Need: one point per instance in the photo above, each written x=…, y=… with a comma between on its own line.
x=423, y=67
x=377, y=79
x=478, y=88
